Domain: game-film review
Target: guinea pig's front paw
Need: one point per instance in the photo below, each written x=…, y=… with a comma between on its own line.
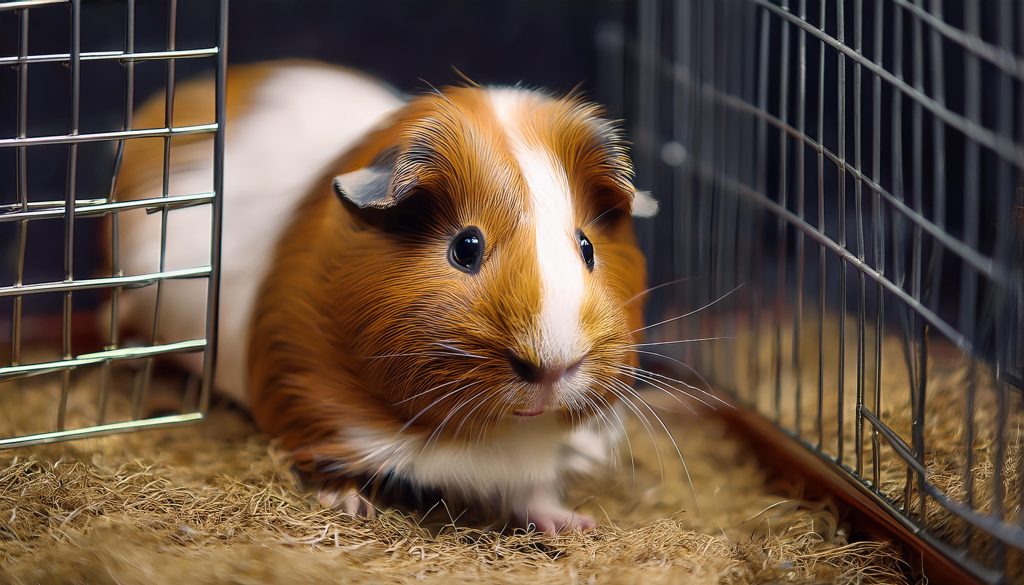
x=347, y=500
x=552, y=518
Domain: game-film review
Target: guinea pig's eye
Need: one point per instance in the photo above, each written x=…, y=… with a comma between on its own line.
x=586, y=248
x=466, y=250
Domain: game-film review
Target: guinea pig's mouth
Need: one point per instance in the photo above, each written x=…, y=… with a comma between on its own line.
x=543, y=399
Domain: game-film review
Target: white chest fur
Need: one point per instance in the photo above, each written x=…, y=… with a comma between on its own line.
x=517, y=457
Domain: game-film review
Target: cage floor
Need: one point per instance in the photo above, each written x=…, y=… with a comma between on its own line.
x=215, y=503
x=967, y=476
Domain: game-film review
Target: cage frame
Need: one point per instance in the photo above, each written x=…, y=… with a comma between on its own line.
x=71, y=207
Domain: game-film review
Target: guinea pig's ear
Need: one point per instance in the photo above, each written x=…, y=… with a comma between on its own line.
x=372, y=187
x=366, y=187
x=644, y=205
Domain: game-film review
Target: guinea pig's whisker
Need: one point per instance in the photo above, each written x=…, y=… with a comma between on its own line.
x=467, y=416
x=462, y=404
x=394, y=355
x=654, y=288
x=667, y=390
x=663, y=377
x=481, y=435
x=602, y=214
x=439, y=386
x=460, y=352
x=591, y=397
x=676, y=380
x=427, y=391
x=625, y=436
x=615, y=386
x=587, y=408
x=668, y=434
x=664, y=388
x=603, y=410
x=415, y=354
x=678, y=341
x=576, y=412
x=499, y=408
x=437, y=401
x=709, y=391
x=685, y=315
x=436, y=434
x=644, y=421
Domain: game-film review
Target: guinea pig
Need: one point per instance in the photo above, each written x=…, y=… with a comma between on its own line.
x=441, y=291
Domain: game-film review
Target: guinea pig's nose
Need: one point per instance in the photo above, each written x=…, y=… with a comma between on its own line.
x=533, y=373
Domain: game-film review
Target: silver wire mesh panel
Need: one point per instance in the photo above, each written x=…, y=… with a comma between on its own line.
x=841, y=186
x=67, y=103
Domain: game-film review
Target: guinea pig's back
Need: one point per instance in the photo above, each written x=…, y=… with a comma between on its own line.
x=286, y=122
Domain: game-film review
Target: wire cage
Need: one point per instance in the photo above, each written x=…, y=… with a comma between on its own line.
x=67, y=103
x=841, y=186
x=840, y=245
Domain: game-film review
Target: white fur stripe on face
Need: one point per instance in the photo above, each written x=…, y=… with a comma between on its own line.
x=558, y=257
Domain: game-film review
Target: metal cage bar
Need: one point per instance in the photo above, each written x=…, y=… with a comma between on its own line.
x=851, y=166
x=114, y=355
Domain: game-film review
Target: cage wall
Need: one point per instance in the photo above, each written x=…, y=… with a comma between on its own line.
x=840, y=238
x=67, y=110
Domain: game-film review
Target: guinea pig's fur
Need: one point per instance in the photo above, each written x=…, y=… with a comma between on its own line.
x=286, y=121
x=370, y=353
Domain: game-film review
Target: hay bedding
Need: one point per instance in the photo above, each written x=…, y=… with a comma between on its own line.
x=214, y=503
x=945, y=429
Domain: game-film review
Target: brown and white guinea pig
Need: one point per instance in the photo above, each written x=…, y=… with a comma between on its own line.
x=441, y=291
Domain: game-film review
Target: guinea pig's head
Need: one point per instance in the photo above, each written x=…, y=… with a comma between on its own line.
x=493, y=273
